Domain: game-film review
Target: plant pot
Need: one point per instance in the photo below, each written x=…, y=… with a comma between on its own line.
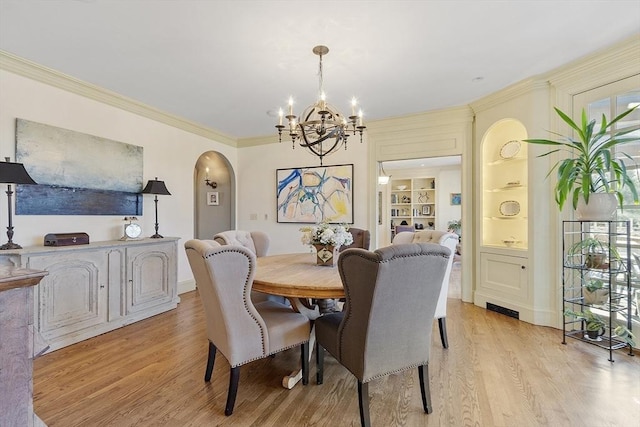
x=601, y=207
x=597, y=296
x=594, y=335
x=326, y=255
x=598, y=261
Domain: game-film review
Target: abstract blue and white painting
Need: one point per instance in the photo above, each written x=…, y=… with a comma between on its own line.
x=77, y=173
x=315, y=194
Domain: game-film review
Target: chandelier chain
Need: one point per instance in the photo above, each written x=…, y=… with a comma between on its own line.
x=320, y=79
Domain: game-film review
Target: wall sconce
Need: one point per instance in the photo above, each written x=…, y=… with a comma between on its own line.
x=208, y=182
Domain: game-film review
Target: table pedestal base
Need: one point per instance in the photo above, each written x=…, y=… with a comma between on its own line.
x=303, y=306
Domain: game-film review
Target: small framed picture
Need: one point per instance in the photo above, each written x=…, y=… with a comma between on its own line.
x=212, y=198
x=426, y=210
x=456, y=198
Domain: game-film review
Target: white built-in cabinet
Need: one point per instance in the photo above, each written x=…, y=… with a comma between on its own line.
x=503, y=278
x=92, y=289
x=513, y=203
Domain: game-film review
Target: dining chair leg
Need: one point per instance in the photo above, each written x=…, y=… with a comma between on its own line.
x=424, y=388
x=319, y=364
x=442, y=325
x=363, y=400
x=234, y=378
x=210, y=360
x=305, y=362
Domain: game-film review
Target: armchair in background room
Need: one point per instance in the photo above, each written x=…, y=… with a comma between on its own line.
x=389, y=292
x=361, y=239
x=404, y=229
x=448, y=240
x=241, y=330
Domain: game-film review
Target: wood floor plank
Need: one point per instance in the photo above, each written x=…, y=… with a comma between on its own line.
x=497, y=371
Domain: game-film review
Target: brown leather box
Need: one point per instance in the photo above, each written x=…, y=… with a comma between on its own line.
x=66, y=239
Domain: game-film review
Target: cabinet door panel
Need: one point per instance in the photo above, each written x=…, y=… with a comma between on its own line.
x=504, y=275
x=149, y=272
x=70, y=297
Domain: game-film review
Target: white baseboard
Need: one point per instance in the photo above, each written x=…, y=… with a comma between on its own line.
x=186, y=286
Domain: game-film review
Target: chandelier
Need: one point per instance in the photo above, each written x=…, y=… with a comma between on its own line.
x=321, y=128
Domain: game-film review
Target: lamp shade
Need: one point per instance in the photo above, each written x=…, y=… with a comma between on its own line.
x=156, y=187
x=383, y=180
x=14, y=173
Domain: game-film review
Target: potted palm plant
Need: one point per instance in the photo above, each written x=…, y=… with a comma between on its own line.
x=591, y=175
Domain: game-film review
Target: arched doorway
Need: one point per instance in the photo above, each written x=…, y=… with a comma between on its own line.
x=215, y=195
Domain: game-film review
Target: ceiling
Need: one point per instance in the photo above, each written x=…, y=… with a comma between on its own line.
x=229, y=65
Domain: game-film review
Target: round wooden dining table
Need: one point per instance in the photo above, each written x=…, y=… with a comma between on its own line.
x=297, y=276
x=301, y=280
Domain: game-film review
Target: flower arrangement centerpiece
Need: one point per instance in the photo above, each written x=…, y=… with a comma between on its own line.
x=327, y=239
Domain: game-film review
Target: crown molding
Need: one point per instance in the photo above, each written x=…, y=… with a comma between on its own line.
x=37, y=72
x=614, y=63
x=255, y=141
x=507, y=94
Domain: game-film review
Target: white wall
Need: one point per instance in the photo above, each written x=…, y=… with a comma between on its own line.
x=169, y=153
x=257, y=188
x=448, y=181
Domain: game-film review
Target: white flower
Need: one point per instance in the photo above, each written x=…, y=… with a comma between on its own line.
x=326, y=234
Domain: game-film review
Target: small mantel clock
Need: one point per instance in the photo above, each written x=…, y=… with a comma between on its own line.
x=132, y=229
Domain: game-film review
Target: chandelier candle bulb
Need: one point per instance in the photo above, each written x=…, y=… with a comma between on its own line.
x=354, y=102
x=280, y=115
x=290, y=106
x=323, y=102
x=360, y=118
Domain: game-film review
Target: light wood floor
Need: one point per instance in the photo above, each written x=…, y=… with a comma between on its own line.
x=497, y=372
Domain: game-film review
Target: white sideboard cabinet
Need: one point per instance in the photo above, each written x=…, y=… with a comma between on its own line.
x=95, y=288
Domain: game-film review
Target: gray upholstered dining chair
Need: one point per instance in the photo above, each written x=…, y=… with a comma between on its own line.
x=361, y=239
x=241, y=330
x=258, y=243
x=448, y=240
x=390, y=292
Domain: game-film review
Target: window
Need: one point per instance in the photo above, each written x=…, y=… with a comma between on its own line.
x=629, y=153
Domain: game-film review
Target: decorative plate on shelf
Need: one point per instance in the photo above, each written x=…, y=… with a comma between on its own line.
x=401, y=187
x=510, y=149
x=509, y=208
x=510, y=242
